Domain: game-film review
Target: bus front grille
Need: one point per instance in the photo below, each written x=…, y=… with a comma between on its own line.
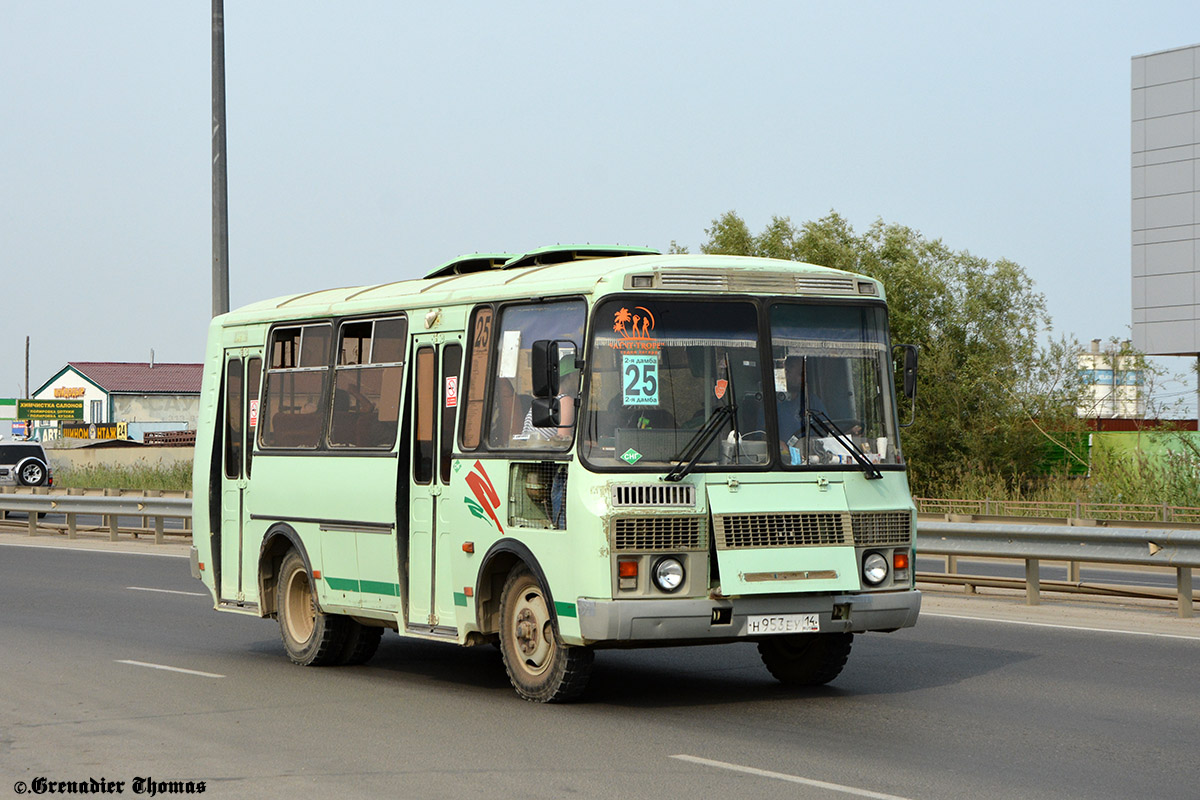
x=654, y=494
x=881, y=528
x=734, y=531
x=860, y=528
x=658, y=533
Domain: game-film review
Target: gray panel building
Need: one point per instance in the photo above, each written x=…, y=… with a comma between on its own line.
x=1166, y=202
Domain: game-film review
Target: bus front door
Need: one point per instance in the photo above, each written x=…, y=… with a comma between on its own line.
x=243, y=372
x=430, y=592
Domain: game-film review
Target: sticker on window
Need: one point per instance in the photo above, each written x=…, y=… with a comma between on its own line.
x=510, y=350
x=451, y=391
x=640, y=380
x=631, y=456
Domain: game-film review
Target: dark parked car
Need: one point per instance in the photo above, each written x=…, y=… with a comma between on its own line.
x=24, y=464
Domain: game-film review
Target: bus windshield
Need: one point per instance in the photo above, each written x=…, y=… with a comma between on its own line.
x=832, y=385
x=661, y=369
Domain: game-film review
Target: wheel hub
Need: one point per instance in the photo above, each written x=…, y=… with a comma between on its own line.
x=527, y=631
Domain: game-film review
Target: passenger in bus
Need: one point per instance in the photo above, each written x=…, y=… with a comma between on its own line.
x=548, y=493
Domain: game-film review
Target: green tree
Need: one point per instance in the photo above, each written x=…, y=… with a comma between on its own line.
x=990, y=395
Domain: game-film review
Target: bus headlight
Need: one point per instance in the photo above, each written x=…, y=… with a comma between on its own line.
x=668, y=574
x=875, y=569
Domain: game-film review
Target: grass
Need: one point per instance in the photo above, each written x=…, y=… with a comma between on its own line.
x=1130, y=479
x=173, y=478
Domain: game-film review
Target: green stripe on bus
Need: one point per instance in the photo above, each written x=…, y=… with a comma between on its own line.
x=565, y=609
x=370, y=587
x=342, y=584
x=378, y=587
x=460, y=599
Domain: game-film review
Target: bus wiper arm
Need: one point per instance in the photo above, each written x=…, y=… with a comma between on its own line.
x=823, y=422
x=700, y=441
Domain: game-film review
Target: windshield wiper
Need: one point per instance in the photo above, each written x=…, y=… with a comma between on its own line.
x=700, y=441
x=823, y=422
x=708, y=431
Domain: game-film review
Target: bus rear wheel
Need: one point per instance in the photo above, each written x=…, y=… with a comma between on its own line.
x=310, y=637
x=806, y=659
x=542, y=669
x=360, y=643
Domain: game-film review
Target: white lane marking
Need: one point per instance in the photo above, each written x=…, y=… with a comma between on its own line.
x=1061, y=627
x=171, y=669
x=166, y=591
x=780, y=776
x=91, y=550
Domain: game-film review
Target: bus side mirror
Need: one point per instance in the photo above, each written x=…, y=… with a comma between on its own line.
x=910, y=370
x=908, y=379
x=546, y=412
x=545, y=369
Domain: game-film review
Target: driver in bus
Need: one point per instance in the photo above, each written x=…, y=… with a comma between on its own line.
x=568, y=393
x=790, y=404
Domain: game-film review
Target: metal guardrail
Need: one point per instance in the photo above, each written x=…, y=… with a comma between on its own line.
x=1071, y=509
x=151, y=509
x=1169, y=548
x=958, y=535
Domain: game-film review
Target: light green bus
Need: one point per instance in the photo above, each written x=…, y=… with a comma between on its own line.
x=572, y=449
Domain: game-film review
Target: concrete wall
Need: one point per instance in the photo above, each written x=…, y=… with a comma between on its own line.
x=72, y=458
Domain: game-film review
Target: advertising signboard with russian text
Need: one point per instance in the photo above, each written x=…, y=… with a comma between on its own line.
x=49, y=409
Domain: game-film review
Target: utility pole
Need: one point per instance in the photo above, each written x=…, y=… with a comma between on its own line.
x=26, y=367
x=220, y=176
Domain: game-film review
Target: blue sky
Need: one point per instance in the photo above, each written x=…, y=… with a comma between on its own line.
x=370, y=141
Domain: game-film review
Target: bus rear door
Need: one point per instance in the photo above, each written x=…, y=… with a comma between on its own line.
x=430, y=600
x=243, y=374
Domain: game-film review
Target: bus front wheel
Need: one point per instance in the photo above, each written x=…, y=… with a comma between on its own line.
x=806, y=659
x=310, y=637
x=542, y=669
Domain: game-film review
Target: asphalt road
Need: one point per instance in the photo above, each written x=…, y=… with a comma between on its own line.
x=981, y=699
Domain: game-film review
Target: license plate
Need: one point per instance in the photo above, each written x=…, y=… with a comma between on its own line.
x=782, y=623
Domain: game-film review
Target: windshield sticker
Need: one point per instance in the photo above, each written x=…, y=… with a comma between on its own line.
x=510, y=350
x=720, y=388
x=485, y=493
x=631, y=456
x=640, y=379
x=636, y=329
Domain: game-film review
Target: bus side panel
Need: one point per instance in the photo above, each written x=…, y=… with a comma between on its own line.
x=574, y=561
x=343, y=507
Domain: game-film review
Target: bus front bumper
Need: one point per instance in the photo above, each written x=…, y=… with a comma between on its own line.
x=701, y=619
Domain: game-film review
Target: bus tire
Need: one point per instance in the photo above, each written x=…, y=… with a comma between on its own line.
x=806, y=659
x=360, y=643
x=311, y=638
x=541, y=668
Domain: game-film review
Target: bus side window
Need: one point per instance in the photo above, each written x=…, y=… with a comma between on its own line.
x=426, y=414
x=451, y=364
x=296, y=386
x=366, y=388
x=519, y=326
x=253, y=379
x=476, y=377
